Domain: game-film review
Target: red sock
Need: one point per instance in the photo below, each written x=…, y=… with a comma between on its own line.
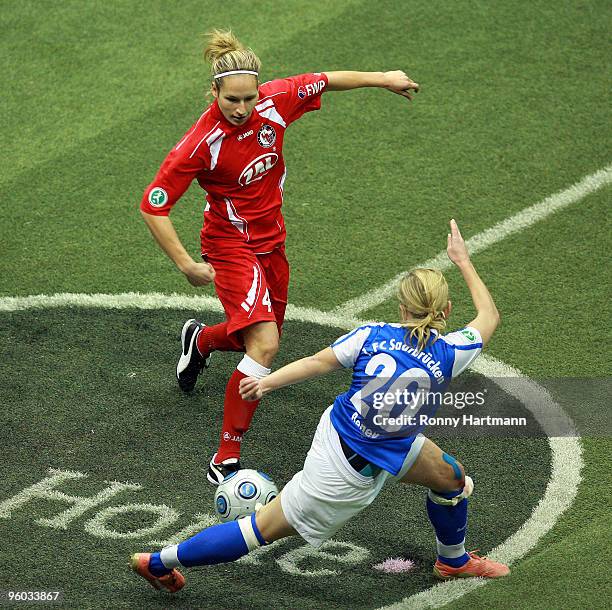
x=212, y=338
x=237, y=416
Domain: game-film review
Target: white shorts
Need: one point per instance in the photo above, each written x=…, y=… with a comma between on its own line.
x=323, y=496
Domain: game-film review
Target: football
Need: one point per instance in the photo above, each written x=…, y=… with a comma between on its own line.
x=241, y=492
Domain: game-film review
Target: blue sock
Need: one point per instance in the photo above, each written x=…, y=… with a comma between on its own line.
x=450, y=524
x=156, y=567
x=217, y=544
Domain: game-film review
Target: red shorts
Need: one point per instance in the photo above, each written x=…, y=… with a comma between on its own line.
x=251, y=287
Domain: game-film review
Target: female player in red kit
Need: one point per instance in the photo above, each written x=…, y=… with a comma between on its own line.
x=234, y=151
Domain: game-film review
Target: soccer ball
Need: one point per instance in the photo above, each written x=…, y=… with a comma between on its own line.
x=241, y=492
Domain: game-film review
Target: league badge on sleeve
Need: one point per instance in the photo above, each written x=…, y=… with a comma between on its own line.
x=158, y=197
x=266, y=136
x=469, y=334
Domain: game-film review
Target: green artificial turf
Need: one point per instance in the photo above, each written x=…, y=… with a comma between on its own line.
x=513, y=108
x=112, y=410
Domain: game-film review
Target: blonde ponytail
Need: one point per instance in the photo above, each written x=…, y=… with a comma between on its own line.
x=225, y=53
x=424, y=295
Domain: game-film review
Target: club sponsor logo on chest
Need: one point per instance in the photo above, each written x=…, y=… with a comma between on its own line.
x=257, y=168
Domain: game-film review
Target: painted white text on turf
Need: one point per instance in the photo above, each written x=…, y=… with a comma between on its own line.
x=162, y=517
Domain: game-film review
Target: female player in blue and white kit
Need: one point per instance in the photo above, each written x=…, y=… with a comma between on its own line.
x=353, y=453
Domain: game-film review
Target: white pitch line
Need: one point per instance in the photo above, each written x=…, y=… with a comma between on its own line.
x=559, y=495
x=566, y=452
x=520, y=221
x=156, y=300
x=127, y=300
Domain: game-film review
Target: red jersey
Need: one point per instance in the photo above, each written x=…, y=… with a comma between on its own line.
x=241, y=168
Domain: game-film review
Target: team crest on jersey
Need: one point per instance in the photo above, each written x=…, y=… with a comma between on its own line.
x=158, y=197
x=266, y=136
x=301, y=92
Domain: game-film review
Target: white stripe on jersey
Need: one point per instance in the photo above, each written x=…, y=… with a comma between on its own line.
x=202, y=140
x=269, y=96
x=264, y=105
x=195, y=127
x=214, y=145
x=272, y=114
x=240, y=223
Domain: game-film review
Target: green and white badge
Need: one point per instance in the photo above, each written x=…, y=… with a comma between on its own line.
x=469, y=335
x=158, y=197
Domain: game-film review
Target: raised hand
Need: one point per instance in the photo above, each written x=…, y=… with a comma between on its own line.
x=456, y=248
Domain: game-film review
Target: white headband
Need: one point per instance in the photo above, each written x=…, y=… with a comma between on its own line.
x=222, y=74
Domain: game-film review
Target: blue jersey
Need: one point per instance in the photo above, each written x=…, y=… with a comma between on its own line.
x=395, y=387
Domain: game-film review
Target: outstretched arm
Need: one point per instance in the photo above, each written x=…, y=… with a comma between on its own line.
x=312, y=366
x=487, y=317
x=395, y=81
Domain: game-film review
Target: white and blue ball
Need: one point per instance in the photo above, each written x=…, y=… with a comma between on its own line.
x=241, y=492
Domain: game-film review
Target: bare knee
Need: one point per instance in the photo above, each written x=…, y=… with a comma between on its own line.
x=263, y=350
x=262, y=342
x=436, y=470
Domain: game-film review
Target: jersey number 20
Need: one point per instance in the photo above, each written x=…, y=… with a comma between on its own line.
x=394, y=394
